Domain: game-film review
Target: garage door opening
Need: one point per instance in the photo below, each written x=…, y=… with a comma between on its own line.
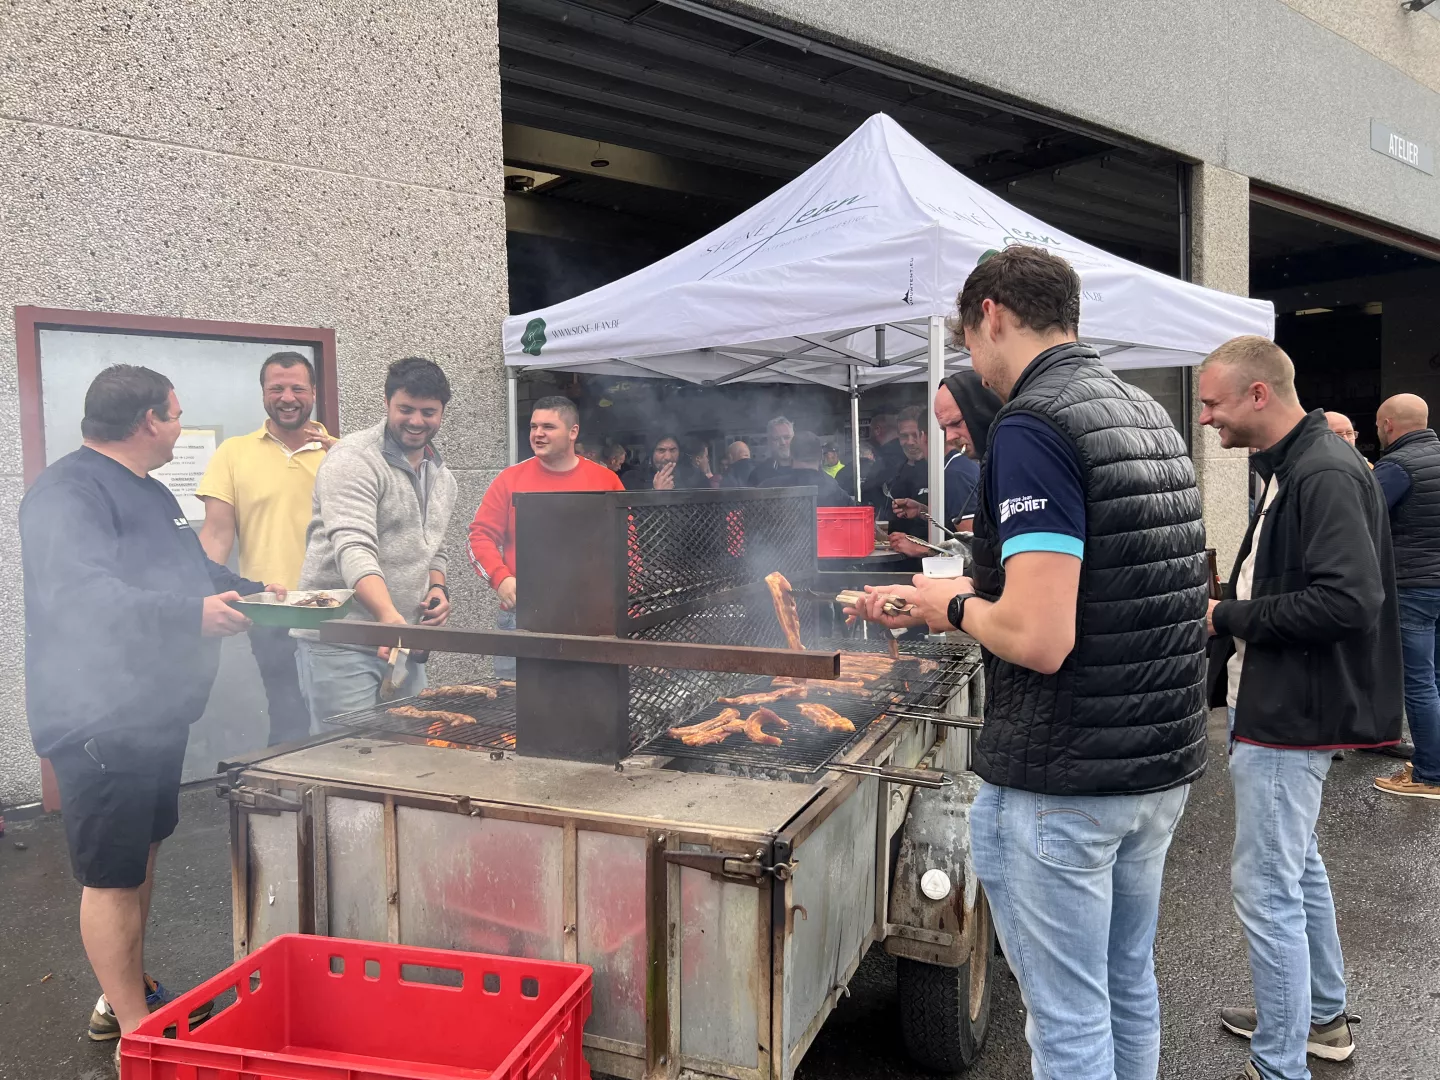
x=1354, y=307
x=632, y=128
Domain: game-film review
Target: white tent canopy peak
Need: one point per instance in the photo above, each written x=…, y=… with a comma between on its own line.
x=879, y=233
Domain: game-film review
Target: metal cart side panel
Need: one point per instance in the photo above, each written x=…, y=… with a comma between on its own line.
x=273, y=877
x=831, y=917
x=355, y=868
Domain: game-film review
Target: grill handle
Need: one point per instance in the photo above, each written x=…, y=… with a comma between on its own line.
x=897, y=774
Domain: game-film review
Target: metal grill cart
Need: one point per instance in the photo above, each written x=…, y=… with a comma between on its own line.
x=723, y=894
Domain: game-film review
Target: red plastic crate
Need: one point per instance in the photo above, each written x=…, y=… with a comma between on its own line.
x=295, y=1017
x=845, y=532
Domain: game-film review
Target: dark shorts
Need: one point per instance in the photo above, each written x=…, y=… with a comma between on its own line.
x=119, y=793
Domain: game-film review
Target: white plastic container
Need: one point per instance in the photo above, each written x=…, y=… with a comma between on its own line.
x=944, y=566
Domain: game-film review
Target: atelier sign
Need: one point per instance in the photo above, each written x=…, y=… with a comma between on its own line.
x=1386, y=140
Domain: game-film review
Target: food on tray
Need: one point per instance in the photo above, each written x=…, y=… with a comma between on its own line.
x=785, y=610
x=319, y=599
x=717, y=729
x=824, y=717
x=454, y=719
x=460, y=690
x=767, y=697
x=508, y=682
x=755, y=722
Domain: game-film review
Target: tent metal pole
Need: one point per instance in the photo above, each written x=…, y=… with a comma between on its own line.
x=512, y=418
x=855, y=428
x=936, y=453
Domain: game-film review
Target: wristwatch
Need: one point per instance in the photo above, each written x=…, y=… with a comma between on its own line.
x=955, y=613
x=441, y=586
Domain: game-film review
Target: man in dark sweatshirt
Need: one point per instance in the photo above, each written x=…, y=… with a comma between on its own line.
x=123, y=613
x=1309, y=664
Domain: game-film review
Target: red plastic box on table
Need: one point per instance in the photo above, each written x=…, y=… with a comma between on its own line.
x=322, y=1008
x=845, y=532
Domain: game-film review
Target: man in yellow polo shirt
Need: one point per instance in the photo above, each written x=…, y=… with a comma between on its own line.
x=260, y=486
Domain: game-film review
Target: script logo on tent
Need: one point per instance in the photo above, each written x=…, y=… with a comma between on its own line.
x=533, y=340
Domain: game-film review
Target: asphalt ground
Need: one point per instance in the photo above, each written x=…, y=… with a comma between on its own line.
x=1383, y=854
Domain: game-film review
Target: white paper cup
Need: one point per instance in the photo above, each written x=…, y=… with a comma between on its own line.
x=944, y=566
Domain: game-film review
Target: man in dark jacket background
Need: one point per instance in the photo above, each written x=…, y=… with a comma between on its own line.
x=1089, y=601
x=1409, y=475
x=1315, y=668
x=805, y=471
x=121, y=611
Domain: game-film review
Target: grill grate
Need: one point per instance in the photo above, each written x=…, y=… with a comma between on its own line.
x=806, y=749
x=683, y=552
x=493, y=729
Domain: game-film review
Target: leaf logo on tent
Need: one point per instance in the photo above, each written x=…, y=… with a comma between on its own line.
x=983, y=258
x=533, y=340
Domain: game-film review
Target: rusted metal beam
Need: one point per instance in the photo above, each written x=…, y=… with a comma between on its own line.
x=629, y=652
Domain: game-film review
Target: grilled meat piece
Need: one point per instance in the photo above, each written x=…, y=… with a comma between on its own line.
x=454, y=719
x=767, y=697
x=893, y=645
x=824, y=717
x=784, y=600
x=715, y=730
x=755, y=722
x=319, y=600
x=460, y=690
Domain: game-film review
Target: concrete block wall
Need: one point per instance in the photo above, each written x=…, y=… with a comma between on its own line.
x=265, y=161
x=1220, y=259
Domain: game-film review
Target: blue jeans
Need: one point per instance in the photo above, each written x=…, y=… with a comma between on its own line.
x=1419, y=617
x=338, y=680
x=1074, y=888
x=504, y=665
x=1282, y=896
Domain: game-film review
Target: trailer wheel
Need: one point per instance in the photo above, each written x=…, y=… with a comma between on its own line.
x=945, y=1012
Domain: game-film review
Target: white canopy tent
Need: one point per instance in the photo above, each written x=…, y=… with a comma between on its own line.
x=843, y=278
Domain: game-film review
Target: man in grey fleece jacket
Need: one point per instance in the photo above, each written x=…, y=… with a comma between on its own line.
x=383, y=498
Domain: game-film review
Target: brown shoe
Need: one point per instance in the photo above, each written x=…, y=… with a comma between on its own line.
x=1403, y=782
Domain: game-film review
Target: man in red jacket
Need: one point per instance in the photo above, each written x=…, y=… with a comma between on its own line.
x=554, y=427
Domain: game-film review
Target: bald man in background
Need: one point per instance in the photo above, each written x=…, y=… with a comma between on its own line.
x=1409, y=474
x=1341, y=425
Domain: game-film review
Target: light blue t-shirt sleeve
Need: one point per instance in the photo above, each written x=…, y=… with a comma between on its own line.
x=1037, y=488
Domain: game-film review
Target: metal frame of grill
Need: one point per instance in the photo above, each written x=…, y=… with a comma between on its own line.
x=638, y=609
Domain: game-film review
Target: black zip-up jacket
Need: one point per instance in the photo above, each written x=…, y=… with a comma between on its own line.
x=115, y=580
x=1321, y=629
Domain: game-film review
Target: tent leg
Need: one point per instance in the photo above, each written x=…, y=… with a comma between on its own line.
x=936, y=453
x=855, y=428
x=512, y=419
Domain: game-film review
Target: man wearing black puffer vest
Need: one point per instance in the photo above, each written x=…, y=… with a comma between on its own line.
x=1409, y=475
x=1089, y=601
x=1312, y=616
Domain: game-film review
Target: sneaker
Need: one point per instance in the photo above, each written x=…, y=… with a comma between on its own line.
x=104, y=1025
x=1331, y=1041
x=1249, y=1072
x=1403, y=782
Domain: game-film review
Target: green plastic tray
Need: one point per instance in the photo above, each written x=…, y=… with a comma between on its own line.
x=263, y=609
